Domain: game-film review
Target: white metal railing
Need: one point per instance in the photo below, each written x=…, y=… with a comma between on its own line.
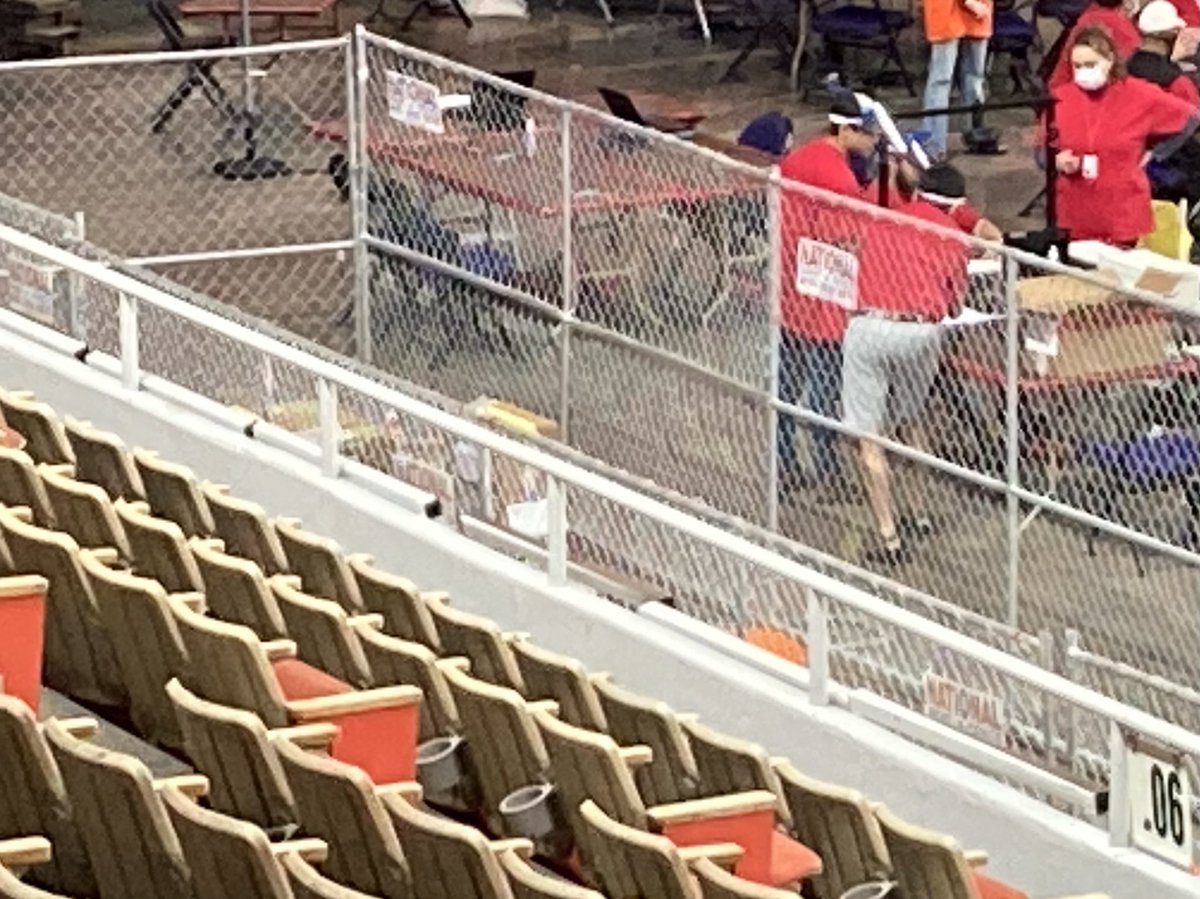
x=825, y=595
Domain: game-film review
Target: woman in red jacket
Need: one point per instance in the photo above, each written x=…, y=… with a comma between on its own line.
x=1113, y=16
x=1107, y=127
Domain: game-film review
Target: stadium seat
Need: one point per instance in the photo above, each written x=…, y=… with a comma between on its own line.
x=83, y=510
x=838, y=825
x=405, y=610
x=129, y=840
x=21, y=485
x=320, y=565
x=159, y=548
x=478, y=639
x=244, y=527
x=587, y=765
x=529, y=883
x=729, y=765
x=78, y=655
x=236, y=591
x=548, y=675
x=339, y=804
x=393, y=661
x=307, y=883
x=46, y=440
x=325, y=636
x=102, y=458
x=717, y=883
x=671, y=774
x=34, y=802
x=172, y=492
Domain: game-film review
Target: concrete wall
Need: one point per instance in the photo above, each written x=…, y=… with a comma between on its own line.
x=1043, y=852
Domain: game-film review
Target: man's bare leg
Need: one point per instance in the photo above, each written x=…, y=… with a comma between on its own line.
x=872, y=462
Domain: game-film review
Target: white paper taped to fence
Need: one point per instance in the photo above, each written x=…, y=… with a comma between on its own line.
x=827, y=272
x=414, y=102
x=1160, y=799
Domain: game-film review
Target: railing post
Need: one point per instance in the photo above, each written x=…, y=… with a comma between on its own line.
x=1012, y=437
x=1118, y=787
x=774, y=294
x=74, y=283
x=1070, y=644
x=358, y=74
x=817, y=619
x=330, y=429
x=556, y=537
x=568, y=286
x=1047, y=657
x=127, y=341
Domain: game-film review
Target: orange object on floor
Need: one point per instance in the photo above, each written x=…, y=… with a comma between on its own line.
x=770, y=858
x=783, y=645
x=994, y=889
x=22, y=636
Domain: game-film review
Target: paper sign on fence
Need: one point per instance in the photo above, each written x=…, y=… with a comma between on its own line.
x=827, y=272
x=414, y=102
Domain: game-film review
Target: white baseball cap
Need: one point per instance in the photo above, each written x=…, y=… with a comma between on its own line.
x=1160, y=17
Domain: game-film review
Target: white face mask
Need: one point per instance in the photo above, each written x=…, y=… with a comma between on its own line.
x=1092, y=77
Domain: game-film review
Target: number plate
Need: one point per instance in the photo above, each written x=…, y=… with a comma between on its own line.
x=1160, y=797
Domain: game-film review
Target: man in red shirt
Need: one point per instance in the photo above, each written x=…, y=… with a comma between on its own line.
x=1111, y=15
x=820, y=239
x=912, y=278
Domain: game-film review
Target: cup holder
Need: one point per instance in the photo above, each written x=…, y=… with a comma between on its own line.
x=440, y=765
x=532, y=812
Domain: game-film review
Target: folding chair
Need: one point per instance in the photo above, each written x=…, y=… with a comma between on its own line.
x=1013, y=35
x=198, y=72
x=869, y=27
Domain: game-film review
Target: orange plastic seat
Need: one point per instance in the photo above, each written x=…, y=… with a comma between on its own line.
x=783, y=645
x=298, y=680
x=994, y=889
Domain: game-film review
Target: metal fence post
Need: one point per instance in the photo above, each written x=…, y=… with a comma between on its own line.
x=75, y=283
x=1012, y=437
x=817, y=620
x=358, y=75
x=568, y=287
x=1118, y=787
x=556, y=535
x=774, y=294
x=127, y=340
x=330, y=430
x=1047, y=658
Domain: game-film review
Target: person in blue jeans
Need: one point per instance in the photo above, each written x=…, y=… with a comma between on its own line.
x=810, y=376
x=958, y=32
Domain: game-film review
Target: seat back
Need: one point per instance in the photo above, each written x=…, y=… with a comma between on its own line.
x=172, y=493
x=925, y=863
x=729, y=765
x=244, y=528
x=671, y=775
x=227, y=665
x=337, y=803
x=320, y=565
x=102, y=458
x=405, y=613
x=20, y=485
x=529, y=883
x=323, y=637
x=33, y=800
x=84, y=511
x=236, y=591
x=548, y=675
x=626, y=861
x=477, y=638
x=1171, y=236
x=159, y=549
x=129, y=839
x=307, y=883
x=136, y=611
x=227, y=857
x=448, y=860
x=78, y=654
x=11, y=888
x=504, y=745
x=232, y=749
x=717, y=883
x=840, y=827
x=396, y=662
x=45, y=439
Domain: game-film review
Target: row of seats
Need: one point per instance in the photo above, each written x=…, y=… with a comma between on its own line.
x=312, y=689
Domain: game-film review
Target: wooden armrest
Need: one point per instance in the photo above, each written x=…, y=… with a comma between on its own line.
x=519, y=845
x=976, y=858
x=79, y=728
x=440, y=597
x=311, y=850
x=875, y=806
x=724, y=854
x=361, y=558
x=600, y=677
x=408, y=790
x=192, y=599
x=549, y=706
x=27, y=395
x=777, y=760
x=687, y=717
x=191, y=785
x=716, y=807
x=214, y=487
x=372, y=620
x=63, y=468
x=516, y=636
x=211, y=542
x=636, y=756
x=305, y=710
x=22, y=852
x=306, y=736
x=139, y=505
x=106, y=555
x=454, y=663
x=289, y=580
x=23, y=514
x=277, y=650
x=288, y=522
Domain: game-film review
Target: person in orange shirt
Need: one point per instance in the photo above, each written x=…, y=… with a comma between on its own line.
x=958, y=32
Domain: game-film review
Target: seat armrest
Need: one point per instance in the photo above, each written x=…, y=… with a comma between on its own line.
x=779, y=760
x=724, y=854
x=361, y=558
x=277, y=650
x=976, y=858
x=212, y=543
x=687, y=717
x=62, y=468
x=600, y=677
x=222, y=489
x=454, y=663
x=22, y=852
x=288, y=522
x=192, y=786
x=289, y=580
x=516, y=636
x=370, y=620
x=306, y=736
x=312, y=850
x=305, y=710
x=522, y=847
x=549, y=706
x=636, y=756
x=436, y=597
x=23, y=514
x=193, y=599
x=408, y=790
x=79, y=728
x=716, y=807
x=105, y=555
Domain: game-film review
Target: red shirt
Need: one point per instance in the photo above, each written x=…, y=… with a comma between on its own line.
x=966, y=217
x=1185, y=89
x=822, y=228
x=1124, y=34
x=1116, y=124
x=913, y=270
x=1189, y=11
